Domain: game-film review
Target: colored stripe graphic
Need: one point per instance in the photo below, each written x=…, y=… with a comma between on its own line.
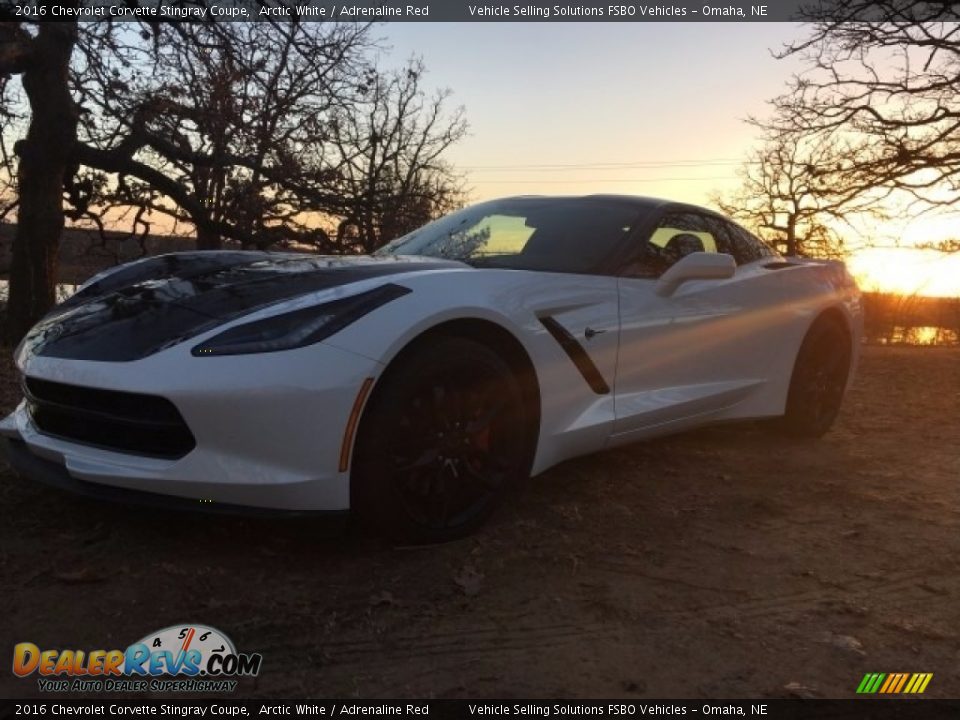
x=891, y=678
x=918, y=683
x=894, y=683
x=870, y=682
x=903, y=679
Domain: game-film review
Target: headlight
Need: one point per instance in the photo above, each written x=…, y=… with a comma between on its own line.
x=298, y=328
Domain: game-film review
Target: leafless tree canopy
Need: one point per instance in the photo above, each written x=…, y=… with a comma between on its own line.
x=888, y=87
x=264, y=134
x=874, y=115
x=389, y=159
x=222, y=124
x=793, y=194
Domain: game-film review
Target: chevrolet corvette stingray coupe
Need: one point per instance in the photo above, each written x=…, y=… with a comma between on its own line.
x=416, y=386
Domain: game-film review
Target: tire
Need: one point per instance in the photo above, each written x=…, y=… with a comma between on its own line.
x=819, y=380
x=442, y=441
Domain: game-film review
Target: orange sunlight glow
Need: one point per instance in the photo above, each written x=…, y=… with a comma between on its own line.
x=907, y=271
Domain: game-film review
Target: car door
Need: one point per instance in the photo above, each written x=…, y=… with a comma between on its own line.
x=686, y=355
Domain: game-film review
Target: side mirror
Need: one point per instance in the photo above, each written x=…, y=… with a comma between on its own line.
x=696, y=266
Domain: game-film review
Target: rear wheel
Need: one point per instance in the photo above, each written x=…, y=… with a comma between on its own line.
x=819, y=379
x=441, y=442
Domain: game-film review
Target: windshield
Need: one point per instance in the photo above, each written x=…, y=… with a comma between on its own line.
x=574, y=235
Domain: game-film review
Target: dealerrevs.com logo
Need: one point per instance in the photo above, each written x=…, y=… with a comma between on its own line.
x=179, y=658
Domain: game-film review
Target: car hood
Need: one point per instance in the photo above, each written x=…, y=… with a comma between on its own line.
x=145, y=306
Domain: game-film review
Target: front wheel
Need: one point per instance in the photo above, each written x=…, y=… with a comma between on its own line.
x=441, y=442
x=819, y=379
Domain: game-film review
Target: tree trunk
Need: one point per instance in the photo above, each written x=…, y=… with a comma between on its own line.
x=208, y=239
x=44, y=160
x=792, y=249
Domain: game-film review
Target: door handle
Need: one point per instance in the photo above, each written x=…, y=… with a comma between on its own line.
x=589, y=333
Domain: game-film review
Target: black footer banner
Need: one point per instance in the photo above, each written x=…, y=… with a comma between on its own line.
x=443, y=709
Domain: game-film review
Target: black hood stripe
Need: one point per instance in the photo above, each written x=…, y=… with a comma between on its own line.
x=150, y=305
x=183, y=266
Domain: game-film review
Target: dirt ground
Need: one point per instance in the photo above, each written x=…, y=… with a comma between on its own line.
x=722, y=563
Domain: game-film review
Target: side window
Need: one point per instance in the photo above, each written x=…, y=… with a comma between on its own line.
x=677, y=235
x=745, y=247
x=734, y=240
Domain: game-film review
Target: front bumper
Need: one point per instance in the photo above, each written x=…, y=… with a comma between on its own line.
x=50, y=473
x=268, y=430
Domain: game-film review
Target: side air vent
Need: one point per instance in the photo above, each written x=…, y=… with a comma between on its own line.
x=577, y=355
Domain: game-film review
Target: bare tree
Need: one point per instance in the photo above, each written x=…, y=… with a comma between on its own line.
x=794, y=193
x=232, y=117
x=236, y=128
x=9, y=119
x=883, y=78
x=42, y=59
x=390, y=158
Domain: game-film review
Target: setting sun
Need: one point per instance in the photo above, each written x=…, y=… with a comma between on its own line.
x=907, y=271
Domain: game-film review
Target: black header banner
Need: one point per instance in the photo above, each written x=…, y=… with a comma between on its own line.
x=620, y=709
x=431, y=10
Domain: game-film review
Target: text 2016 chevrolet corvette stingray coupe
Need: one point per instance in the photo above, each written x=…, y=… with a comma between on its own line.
x=417, y=385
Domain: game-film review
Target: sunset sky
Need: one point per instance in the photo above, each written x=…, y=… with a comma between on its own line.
x=638, y=108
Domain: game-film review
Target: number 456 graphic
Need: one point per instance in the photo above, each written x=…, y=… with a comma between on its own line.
x=189, y=649
x=194, y=637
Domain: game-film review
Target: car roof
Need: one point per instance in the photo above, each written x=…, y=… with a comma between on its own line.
x=641, y=201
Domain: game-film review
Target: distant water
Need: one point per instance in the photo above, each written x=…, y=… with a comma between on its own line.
x=912, y=335
x=64, y=290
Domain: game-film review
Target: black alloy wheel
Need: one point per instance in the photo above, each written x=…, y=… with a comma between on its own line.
x=441, y=442
x=819, y=379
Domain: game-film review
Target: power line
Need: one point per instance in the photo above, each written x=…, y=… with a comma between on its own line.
x=598, y=165
x=602, y=168
x=599, y=180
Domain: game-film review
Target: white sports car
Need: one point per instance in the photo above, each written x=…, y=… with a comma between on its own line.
x=415, y=386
